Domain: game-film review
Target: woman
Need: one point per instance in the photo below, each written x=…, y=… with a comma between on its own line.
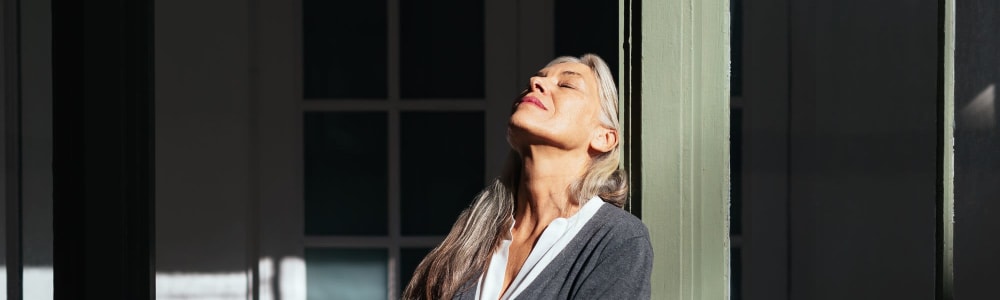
x=551, y=226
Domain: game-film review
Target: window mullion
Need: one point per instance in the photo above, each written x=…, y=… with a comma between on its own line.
x=394, y=149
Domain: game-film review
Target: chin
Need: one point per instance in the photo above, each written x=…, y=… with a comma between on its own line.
x=518, y=120
x=519, y=135
x=522, y=135
x=525, y=123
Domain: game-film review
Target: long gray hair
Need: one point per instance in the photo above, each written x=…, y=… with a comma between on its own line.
x=466, y=251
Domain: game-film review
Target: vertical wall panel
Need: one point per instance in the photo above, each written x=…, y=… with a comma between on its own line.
x=102, y=158
x=7, y=60
x=37, y=144
x=10, y=84
x=277, y=55
x=684, y=144
x=977, y=148
x=765, y=150
x=203, y=153
x=863, y=124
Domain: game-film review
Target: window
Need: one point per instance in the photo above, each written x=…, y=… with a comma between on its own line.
x=393, y=132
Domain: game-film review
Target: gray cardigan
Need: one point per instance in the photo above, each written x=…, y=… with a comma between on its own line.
x=610, y=258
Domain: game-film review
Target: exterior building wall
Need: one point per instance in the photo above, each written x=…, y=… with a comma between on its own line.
x=202, y=157
x=977, y=148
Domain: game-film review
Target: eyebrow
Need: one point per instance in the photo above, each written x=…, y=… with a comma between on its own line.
x=564, y=73
x=571, y=73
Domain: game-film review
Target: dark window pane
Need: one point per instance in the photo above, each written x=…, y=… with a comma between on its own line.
x=442, y=49
x=345, y=49
x=409, y=259
x=736, y=47
x=442, y=168
x=588, y=26
x=346, y=274
x=736, y=269
x=736, y=171
x=346, y=173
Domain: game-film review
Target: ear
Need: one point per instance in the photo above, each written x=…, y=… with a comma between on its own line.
x=604, y=140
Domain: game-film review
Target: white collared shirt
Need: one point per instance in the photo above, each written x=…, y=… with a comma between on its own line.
x=552, y=241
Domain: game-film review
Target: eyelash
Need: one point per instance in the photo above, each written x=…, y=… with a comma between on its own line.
x=566, y=85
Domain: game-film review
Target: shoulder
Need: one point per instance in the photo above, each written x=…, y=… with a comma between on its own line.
x=620, y=223
x=618, y=258
x=613, y=230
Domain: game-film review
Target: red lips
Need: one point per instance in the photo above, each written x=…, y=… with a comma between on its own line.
x=533, y=100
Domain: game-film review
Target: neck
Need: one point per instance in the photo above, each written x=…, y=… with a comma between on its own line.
x=543, y=193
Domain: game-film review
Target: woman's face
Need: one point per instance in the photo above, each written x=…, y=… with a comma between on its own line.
x=560, y=108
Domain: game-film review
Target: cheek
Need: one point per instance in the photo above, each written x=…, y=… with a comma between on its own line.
x=581, y=115
x=576, y=123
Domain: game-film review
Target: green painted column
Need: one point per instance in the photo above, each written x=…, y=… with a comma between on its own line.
x=947, y=241
x=683, y=141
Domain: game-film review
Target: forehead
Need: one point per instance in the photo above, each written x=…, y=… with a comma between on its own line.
x=569, y=69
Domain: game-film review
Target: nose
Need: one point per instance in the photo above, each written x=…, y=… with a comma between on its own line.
x=537, y=85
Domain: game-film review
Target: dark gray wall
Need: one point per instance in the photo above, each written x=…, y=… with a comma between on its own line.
x=765, y=150
x=977, y=149
x=863, y=149
x=36, y=150
x=4, y=99
x=36, y=139
x=203, y=122
x=4, y=79
x=36, y=145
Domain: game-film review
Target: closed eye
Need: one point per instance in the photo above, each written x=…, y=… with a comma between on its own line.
x=567, y=85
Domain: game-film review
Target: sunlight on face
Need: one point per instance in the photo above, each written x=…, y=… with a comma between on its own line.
x=560, y=108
